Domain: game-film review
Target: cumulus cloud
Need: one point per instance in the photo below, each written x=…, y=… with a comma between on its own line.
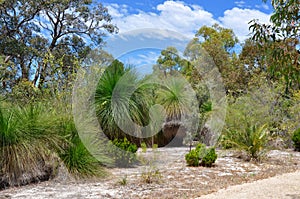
x=238, y=19
x=183, y=18
x=176, y=16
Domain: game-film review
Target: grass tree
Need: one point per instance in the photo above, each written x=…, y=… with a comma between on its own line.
x=179, y=102
x=26, y=144
x=119, y=85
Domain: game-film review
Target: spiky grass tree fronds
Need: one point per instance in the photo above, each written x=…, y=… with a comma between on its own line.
x=26, y=143
x=115, y=86
x=75, y=156
x=180, y=104
x=176, y=98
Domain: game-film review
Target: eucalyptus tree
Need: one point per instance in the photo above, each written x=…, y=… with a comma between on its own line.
x=46, y=39
x=280, y=42
x=217, y=42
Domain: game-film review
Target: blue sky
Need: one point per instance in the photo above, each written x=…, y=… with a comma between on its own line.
x=183, y=17
x=216, y=7
x=187, y=16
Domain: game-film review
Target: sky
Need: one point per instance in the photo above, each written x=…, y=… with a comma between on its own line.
x=178, y=22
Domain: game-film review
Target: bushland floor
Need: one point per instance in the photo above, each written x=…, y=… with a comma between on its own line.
x=170, y=175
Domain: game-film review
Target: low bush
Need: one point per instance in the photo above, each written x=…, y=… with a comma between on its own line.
x=296, y=139
x=125, y=153
x=253, y=140
x=34, y=139
x=209, y=157
x=192, y=158
x=201, y=156
x=79, y=162
x=75, y=156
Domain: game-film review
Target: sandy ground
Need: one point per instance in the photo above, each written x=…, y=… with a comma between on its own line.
x=174, y=179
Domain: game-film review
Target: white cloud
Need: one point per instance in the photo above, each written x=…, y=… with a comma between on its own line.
x=185, y=19
x=145, y=57
x=176, y=16
x=238, y=19
x=264, y=6
x=117, y=11
x=240, y=3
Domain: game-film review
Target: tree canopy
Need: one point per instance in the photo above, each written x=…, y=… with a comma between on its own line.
x=44, y=40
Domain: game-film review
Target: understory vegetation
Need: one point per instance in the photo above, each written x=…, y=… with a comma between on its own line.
x=202, y=156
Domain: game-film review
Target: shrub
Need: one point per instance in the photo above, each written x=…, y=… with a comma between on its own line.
x=27, y=145
x=79, y=162
x=296, y=139
x=144, y=147
x=125, y=153
x=209, y=158
x=253, y=140
x=75, y=156
x=201, y=156
x=192, y=158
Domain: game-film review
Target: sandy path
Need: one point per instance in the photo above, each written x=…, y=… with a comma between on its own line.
x=282, y=186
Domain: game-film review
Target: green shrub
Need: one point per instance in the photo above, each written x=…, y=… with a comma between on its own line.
x=209, y=158
x=75, y=156
x=201, y=148
x=27, y=144
x=296, y=139
x=192, y=158
x=201, y=156
x=253, y=140
x=79, y=162
x=125, y=153
x=144, y=147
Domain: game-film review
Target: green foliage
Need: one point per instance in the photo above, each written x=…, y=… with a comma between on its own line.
x=169, y=61
x=125, y=145
x=279, y=41
x=35, y=138
x=61, y=33
x=27, y=144
x=253, y=140
x=144, y=147
x=209, y=158
x=176, y=98
x=78, y=160
x=25, y=92
x=296, y=139
x=135, y=105
x=192, y=158
x=201, y=156
x=124, y=152
x=216, y=43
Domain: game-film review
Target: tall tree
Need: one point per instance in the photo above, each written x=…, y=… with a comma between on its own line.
x=218, y=43
x=168, y=61
x=33, y=31
x=280, y=41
